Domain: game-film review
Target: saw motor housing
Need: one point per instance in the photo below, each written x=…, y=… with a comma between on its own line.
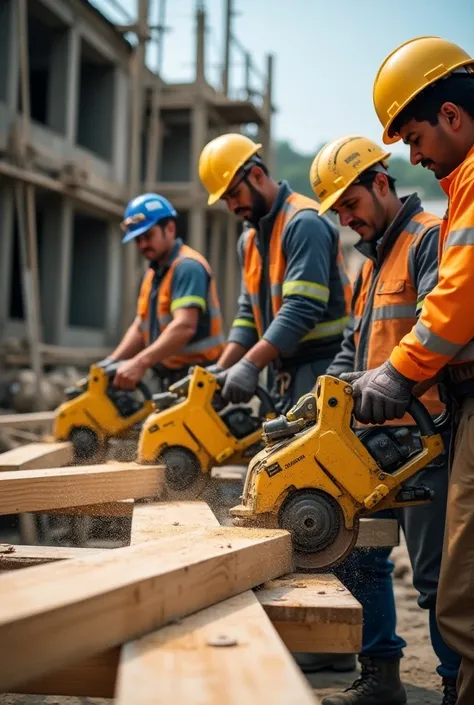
x=190, y=437
x=316, y=476
x=95, y=411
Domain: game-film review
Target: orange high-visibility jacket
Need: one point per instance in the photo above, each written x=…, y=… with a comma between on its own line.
x=252, y=275
x=386, y=303
x=198, y=351
x=444, y=333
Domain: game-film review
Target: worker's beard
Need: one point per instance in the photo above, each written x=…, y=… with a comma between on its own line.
x=259, y=207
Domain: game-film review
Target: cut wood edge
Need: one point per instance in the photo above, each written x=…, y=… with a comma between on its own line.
x=36, y=456
x=378, y=533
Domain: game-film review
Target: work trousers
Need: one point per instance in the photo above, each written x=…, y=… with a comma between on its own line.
x=292, y=383
x=367, y=573
x=455, y=608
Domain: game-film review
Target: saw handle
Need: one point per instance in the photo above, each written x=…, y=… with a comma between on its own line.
x=423, y=419
x=111, y=370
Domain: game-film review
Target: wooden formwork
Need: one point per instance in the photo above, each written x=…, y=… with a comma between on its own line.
x=188, y=609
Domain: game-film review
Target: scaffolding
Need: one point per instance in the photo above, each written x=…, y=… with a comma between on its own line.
x=109, y=128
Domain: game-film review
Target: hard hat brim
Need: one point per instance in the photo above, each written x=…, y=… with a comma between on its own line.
x=386, y=137
x=214, y=197
x=135, y=233
x=328, y=202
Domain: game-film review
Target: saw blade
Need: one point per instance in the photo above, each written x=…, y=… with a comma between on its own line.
x=330, y=556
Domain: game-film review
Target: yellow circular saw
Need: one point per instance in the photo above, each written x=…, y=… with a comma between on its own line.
x=316, y=476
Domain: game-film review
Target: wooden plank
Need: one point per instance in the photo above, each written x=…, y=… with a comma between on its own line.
x=42, y=490
x=182, y=663
x=35, y=456
x=13, y=556
x=378, y=533
x=46, y=612
x=152, y=520
x=122, y=508
x=38, y=419
x=94, y=677
x=313, y=613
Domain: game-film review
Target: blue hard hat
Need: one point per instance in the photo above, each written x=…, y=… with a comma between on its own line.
x=143, y=212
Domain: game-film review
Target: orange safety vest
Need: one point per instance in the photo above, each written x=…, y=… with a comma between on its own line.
x=444, y=333
x=393, y=311
x=252, y=269
x=201, y=352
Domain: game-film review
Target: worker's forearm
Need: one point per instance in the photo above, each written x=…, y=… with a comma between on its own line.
x=233, y=353
x=130, y=345
x=262, y=354
x=172, y=339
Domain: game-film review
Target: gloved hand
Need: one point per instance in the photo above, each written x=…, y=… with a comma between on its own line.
x=379, y=395
x=214, y=369
x=241, y=381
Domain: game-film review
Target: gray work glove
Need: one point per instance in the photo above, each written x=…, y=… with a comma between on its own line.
x=379, y=395
x=105, y=362
x=241, y=382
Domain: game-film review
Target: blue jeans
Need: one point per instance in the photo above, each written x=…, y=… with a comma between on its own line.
x=367, y=573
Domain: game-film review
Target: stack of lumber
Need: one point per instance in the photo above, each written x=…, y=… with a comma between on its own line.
x=188, y=610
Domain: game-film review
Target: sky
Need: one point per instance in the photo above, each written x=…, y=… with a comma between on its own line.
x=326, y=53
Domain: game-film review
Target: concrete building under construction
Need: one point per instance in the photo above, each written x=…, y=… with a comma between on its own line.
x=84, y=125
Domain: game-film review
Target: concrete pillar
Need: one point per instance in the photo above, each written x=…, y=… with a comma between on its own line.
x=59, y=72
x=6, y=245
x=232, y=277
x=216, y=237
x=197, y=229
x=63, y=273
x=72, y=84
x=120, y=125
x=114, y=286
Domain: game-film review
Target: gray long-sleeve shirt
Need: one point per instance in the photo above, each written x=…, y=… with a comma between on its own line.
x=313, y=315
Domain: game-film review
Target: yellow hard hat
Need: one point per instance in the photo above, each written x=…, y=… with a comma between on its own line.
x=221, y=159
x=339, y=163
x=408, y=70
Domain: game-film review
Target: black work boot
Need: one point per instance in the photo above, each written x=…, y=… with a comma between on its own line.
x=450, y=691
x=312, y=663
x=379, y=684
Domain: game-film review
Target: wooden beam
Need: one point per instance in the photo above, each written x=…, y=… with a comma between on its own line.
x=46, y=612
x=313, y=613
x=35, y=456
x=228, y=653
x=94, y=678
x=42, y=490
x=13, y=556
x=122, y=509
x=39, y=419
x=378, y=533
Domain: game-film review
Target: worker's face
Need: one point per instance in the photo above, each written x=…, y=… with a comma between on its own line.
x=156, y=242
x=244, y=196
x=363, y=209
x=435, y=147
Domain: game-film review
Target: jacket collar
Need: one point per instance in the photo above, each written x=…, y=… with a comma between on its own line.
x=377, y=250
x=161, y=268
x=266, y=223
x=448, y=180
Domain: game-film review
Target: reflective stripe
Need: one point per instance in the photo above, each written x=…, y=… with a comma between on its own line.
x=393, y=311
x=419, y=305
x=327, y=329
x=203, y=344
x=465, y=236
x=243, y=323
x=254, y=299
x=414, y=228
x=276, y=289
x=188, y=301
x=308, y=289
x=435, y=343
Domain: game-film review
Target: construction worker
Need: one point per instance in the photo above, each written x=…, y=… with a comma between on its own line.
x=178, y=320
x=400, y=243
x=424, y=94
x=295, y=294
